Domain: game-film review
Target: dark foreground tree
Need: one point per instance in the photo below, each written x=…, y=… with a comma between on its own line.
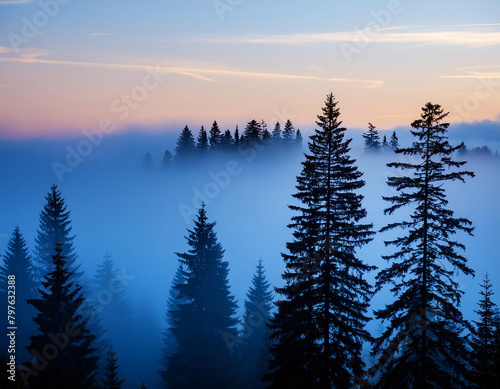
x=111, y=377
x=17, y=269
x=483, y=340
x=63, y=356
x=423, y=346
x=205, y=317
x=255, y=349
x=55, y=227
x=372, y=139
x=319, y=326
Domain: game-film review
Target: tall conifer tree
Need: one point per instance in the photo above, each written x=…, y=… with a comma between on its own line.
x=255, y=349
x=55, y=227
x=483, y=340
x=111, y=378
x=205, y=315
x=423, y=346
x=319, y=326
x=17, y=263
x=70, y=361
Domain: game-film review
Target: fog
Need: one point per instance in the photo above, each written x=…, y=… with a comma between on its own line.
x=140, y=217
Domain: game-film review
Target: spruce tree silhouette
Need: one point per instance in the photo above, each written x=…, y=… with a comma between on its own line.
x=55, y=227
x=319, y=326
x=255, y=350
x=483, y=340
x=63, y=355
x=205, y=314
x=423, y=345
x=17, y=264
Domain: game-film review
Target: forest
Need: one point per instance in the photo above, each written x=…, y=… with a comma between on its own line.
x=359, y=300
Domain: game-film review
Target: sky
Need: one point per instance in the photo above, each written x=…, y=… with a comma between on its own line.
x=65, y=66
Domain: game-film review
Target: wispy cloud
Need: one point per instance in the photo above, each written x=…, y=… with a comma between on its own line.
x=26, y=53
x=199, y=73
x=471, y=74
x=12, y=2
x=478, y=35
x=102, y=34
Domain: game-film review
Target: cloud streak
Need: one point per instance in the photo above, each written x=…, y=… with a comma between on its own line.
x=459, y=35
x=480, y=75
x=198, y=73
x=14, y=2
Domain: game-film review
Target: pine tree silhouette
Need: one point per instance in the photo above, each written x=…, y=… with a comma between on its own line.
x=227, y=141
x=17, y=264
x=215, y=136
x=205, y=316
x=372, y=139
x=202, y=145
x=483, y=339
x=147, y=163
x=166, y=162
x=63, y=356
x=288, y=133
x=255, y=350
x=185, y=148
x=319, y=326
x=253, y=131
x=423, y=346
x=169, y=341
x=276, y=134
x=112, y=380
x=394, y=141
x=55, y=227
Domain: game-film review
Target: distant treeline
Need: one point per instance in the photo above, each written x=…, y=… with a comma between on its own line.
x=216, y=141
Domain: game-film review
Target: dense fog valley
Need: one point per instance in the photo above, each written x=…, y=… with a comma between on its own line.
x=138, y=213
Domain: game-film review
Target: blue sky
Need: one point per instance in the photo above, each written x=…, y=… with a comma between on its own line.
x=234, y=60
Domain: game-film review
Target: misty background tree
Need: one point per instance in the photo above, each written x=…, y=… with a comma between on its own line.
x=423, y=345
x=185, y=147
x=372, y=139
x=17, y=262
x=319, y=327
x=254, y=352
x=55, y=227
x=204, y=315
